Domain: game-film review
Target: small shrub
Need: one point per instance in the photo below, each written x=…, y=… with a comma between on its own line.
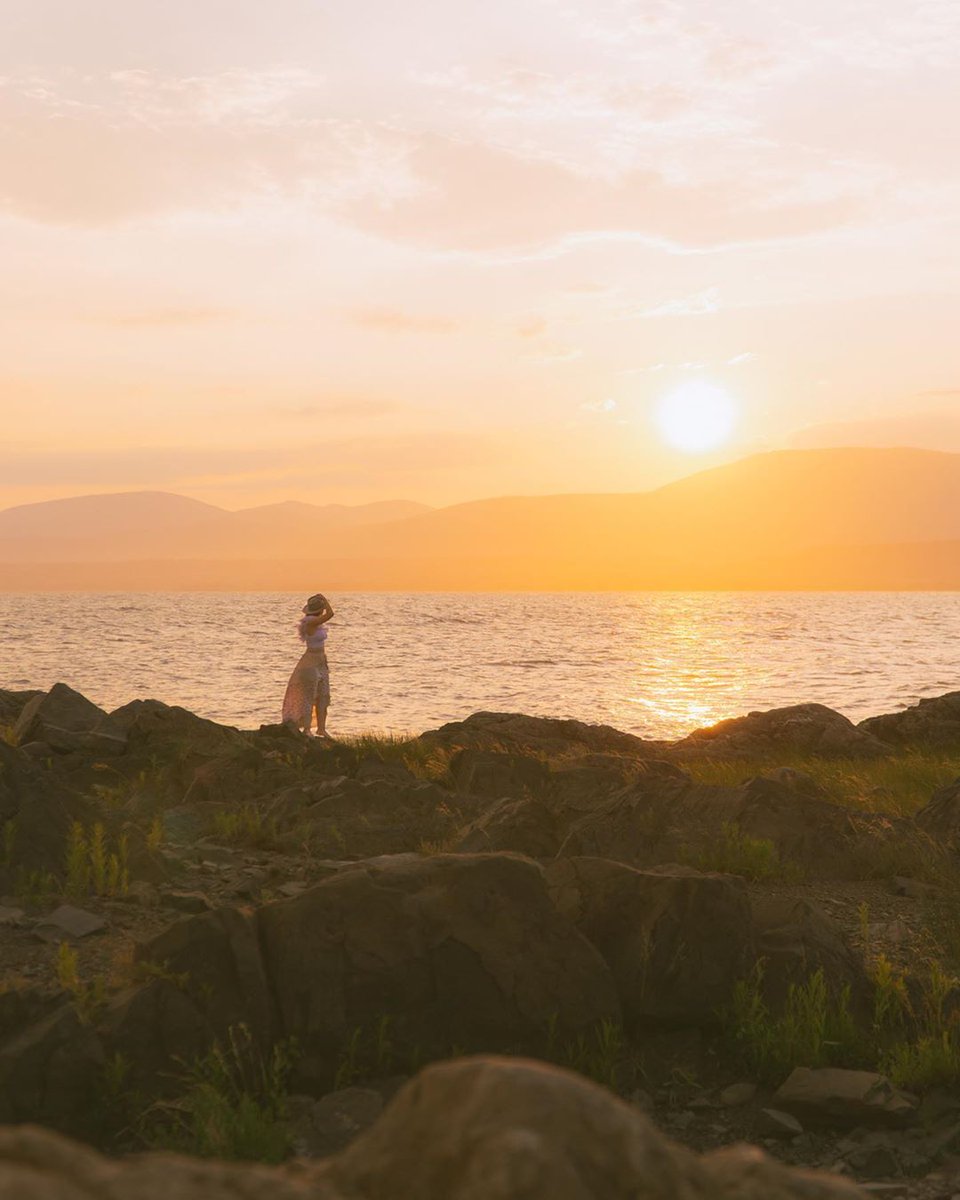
x=369, y=1054
x=738, y=853
x=249, y=826
x=233, y=1107
x=598, y=1054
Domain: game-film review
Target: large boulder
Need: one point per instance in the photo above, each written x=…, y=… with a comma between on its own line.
x=350, y=818
x=456, y=950
x=506, y=1129
x=49, y=1071
x=940, y=817
x=547, y=736
x=930, y=724
x=527, y=826
x=665, y=819
x=12, y=704
x=66, y=721
x=676, y=941
x=474, y=1129
x=795, y=938
x=37, y=811
x=801, y=729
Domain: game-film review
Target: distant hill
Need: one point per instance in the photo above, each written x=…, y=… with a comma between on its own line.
x=846, y=518
x=126, y=526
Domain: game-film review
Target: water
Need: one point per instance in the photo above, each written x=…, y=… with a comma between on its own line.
x=656, y=664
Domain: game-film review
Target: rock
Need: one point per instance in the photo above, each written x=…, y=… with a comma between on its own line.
x=333, y=1121
x=167, y=737
x=215, y=960
x=664, y=816
x=795, y=938
x=798, y=729
x=494, y=773
x=187, y=902
x=57, y=717
x=68, y=922
x=737, y=1094
x=36, y=1164
x=839, y=1097
x=515, y=732
x=347, y=818
x=506, y=1129
x=475, y=1129
x=941, y=816
x=677, y=944
x=771, y=1122
x=10, y=916
x=49, y=1070
x=458, y=950
x=12, y=704
x=933, y=723
x=37, y=811
x=526, y=826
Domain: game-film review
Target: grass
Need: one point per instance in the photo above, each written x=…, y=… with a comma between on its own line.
x=738, y=853
x=598, y=1053
x=426, y=762
x=913, y=1037
x=248, y=825
x=898, y=786
x=233, y=1106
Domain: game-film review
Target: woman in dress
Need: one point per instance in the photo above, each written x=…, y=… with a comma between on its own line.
x=309, y=686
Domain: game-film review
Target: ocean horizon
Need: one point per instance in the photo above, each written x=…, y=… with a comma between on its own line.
x=657, y=664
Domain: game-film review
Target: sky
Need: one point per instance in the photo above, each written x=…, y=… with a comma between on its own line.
x=349, y=252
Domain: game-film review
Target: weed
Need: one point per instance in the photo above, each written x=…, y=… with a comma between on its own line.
x=597, y=1053
x=92, y=868
x=155, y=834
x=815, y=1028
x=33, y=887
x=248, y=825
x=233, y=1106
x=738, y=853
x=368, y=1054
x=88, y=998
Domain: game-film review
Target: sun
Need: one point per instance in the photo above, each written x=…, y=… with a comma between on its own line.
x=697, y=416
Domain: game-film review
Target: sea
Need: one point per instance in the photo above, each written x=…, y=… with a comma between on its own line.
x=657, y=664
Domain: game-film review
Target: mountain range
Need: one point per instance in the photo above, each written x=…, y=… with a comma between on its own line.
x=792, y=519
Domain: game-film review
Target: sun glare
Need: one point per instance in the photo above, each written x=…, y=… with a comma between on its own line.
x=697, y=416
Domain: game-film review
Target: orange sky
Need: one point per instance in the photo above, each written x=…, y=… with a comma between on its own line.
x=346, y=252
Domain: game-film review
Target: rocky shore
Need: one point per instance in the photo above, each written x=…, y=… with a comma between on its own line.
x=512, y=957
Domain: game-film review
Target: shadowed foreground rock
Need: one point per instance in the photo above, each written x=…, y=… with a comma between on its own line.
x=474, y=1129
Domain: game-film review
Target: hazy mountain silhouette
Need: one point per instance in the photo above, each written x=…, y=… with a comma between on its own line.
x=847, y=518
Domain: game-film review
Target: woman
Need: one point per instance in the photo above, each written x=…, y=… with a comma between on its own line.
x=309, y=686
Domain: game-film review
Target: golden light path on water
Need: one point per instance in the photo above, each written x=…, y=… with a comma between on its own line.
x=656, y=664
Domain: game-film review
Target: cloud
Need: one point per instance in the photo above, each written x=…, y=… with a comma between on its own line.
x=702, y=304
x=923, y=430
x=599, y=406
x=394, y=321
x=359, y=406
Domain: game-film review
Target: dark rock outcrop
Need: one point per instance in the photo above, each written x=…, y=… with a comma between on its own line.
x=940, y=818
x=548, y=736
x=37, y=811
x=66, y=721
x=930, y=724
x=676, y=942
x=800, y=729
x=500, y=1129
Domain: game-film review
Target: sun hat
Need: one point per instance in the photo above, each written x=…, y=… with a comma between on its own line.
x=316, y=604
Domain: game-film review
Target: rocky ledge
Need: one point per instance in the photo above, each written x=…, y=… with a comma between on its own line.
x=748, y=935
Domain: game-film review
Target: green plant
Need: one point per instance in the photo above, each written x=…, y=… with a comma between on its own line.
x=248, y=825
x=88, y=998
x=33, y=887
x=233, y=1106
x=736, y=852
x=368, y=1054
x=92, y=868
x=155, y=834
x=815, y=1028
x=596, y=1053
